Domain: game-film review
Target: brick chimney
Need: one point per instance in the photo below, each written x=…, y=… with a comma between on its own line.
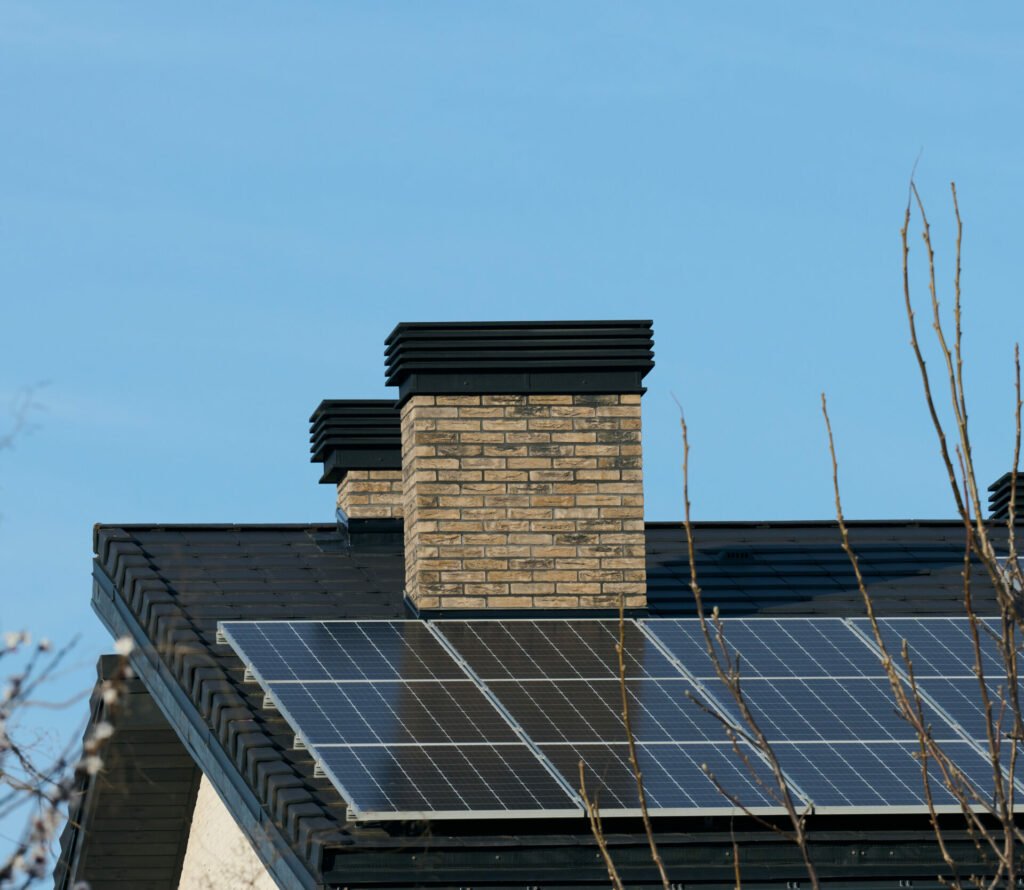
x=359, y=443
x=521, y=462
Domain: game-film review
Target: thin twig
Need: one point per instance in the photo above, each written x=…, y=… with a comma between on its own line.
x=594, y=815
x=727, y=669
x=634, y=762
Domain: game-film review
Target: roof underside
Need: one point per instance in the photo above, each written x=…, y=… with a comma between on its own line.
x=170, y=585
x=128, y=825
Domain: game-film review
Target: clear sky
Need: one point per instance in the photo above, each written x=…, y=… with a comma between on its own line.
x=211, y=215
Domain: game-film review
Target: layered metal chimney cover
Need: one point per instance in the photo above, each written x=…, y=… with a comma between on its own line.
x=479, y=358
x=355, y=434
x=999, y=497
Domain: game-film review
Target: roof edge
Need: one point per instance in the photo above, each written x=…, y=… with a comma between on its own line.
x=280, y=859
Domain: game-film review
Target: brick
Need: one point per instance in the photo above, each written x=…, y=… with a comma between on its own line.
x=457, y=400
x=532, y=588
x=556, y=602
x=509, y=602
x=502, y=399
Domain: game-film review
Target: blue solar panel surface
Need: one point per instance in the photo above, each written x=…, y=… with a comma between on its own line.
x=342, y=650
x=677, y=777
x=390, y=712
x=819, y=692
x=770, y=647
x=554, y=649
x=393, y=720
x=567, y=698
x=939, y=647
x=492, y=717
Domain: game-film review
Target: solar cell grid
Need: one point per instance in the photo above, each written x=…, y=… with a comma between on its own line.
x=425, y=722
x=553, y=649
x=390, y=713
x=960, y=698
x=876, y=776
x=819, y=709
x=341, y=650
x=591, y=710
x=445, y=781
x=771, y=647
x=674, y=778
x=938, y=647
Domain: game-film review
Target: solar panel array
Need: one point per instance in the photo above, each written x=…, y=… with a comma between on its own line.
x=492, y=718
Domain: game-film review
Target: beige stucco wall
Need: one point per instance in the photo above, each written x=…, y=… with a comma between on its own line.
x=218, y=856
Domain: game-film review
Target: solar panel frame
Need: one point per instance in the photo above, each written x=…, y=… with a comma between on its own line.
x=486, y=747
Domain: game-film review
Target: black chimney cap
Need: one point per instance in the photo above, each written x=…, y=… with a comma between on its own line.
x=999, y=497
x=491, y=357
x=355, y=434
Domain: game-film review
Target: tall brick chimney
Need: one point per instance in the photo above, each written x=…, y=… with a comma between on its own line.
x=521, y=462
x=359, y=443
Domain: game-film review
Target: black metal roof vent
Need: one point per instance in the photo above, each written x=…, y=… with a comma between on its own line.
x=355, y=434
x=999, y=498
x=478, y=358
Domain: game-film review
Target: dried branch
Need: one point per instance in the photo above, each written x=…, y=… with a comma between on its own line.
x=727, y=669
x=594, y=815
x=1000, y=842
x=46, y=790
x=634, y=762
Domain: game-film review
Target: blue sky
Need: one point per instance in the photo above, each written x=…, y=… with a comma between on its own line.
x=212, y=215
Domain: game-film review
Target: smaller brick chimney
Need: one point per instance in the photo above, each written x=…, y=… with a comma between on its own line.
x=521, y=462
x=359, y=443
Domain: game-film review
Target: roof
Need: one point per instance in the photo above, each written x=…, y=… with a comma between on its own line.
x=799, y=568
x=128, y=825
x=168, y=586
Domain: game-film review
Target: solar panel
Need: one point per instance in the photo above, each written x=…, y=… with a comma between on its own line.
x=818, y=691
x=820, y=709
x=446, y=781
x=341, y=650
x=771, y=647
x=390, y=712
x=591, y=710
x=943, y=657
x=938, y=647
x=566, y=696
x=490, y=718
x=553, y=649
x=883, y=776
x=961, y=702
x=396, y=724
x=675, y=782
